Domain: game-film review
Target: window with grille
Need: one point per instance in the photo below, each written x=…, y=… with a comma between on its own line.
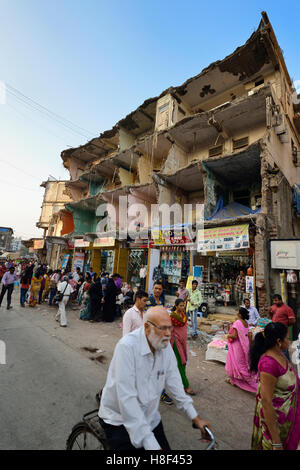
x=215, y=151
x=239, y=143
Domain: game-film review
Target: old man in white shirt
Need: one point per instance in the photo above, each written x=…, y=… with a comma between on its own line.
x=142, y=365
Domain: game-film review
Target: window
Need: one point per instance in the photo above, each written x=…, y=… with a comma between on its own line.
x=239, y=143
x=215, y=151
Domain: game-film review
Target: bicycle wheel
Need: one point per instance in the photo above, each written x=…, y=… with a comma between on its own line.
x=83, y=438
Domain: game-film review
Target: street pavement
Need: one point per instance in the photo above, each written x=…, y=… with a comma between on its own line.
x=52, y=374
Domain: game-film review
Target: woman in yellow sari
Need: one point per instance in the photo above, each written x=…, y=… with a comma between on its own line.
x=35, y=289
x=47, y=284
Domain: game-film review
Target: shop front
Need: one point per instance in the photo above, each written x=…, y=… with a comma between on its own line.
x=137, y=256
x=174, y=263
x=103, y=254
x=285, y=275
x=82, y=255
x=223, y=252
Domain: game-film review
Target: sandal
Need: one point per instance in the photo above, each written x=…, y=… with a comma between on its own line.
x=189, y=391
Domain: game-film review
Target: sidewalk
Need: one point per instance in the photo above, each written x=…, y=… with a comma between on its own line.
x=228, y=409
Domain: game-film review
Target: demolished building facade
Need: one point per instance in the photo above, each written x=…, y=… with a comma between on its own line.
x=228, y=138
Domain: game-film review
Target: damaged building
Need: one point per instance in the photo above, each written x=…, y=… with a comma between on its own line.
x=228, y=138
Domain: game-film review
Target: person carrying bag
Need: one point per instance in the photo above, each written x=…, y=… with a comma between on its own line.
x=62, y=298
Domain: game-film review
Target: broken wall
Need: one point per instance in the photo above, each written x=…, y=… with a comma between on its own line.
x=176, y=160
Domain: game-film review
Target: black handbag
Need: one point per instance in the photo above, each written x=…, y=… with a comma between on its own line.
x=60, y=295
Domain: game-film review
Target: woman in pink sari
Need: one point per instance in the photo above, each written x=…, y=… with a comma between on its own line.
x=237, y=362
x=277, y=411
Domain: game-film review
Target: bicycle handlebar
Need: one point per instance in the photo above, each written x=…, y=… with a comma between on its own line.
x=212, y=437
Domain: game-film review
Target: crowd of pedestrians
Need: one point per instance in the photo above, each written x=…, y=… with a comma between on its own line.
x=257, y=363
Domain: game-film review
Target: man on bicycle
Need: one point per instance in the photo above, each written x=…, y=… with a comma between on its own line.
x=142, y=365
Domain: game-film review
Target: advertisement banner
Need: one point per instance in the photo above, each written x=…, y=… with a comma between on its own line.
x=78, y=261
x=65, y=261
x=171, y=236
x=234, y=237
x=249, y=284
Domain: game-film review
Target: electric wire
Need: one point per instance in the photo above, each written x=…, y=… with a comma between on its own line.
x=60, y=138
x=33, y=108
x=17, y=186
x=66, y=122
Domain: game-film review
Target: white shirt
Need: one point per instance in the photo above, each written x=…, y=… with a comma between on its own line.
x=76, y=276
x=143, y=272
x=132, y=320
x=61, y=288
x=135, y=380
x=253, y=315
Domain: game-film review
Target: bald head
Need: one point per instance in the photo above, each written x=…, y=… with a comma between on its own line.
x=157, y=315
x=158, y=327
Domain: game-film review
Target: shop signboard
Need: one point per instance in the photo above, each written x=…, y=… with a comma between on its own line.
x=285, y=254
x=38, y=244
x=234, y=237
x=78, y=261
x=171, y=236
x=101, y=242
x=80, y=243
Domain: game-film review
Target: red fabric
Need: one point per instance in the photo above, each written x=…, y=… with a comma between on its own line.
x=2, y=271
x=179, y=335
x=282, y=314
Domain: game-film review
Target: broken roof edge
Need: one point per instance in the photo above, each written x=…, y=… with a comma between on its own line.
x=126, y=188
x=78, y=204
x=258, y=144
x=197, y=163
x=235, y=221
x=265, y=23
x=266, y=90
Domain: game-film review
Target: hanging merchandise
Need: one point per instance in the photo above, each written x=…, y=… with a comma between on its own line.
x=291, y=277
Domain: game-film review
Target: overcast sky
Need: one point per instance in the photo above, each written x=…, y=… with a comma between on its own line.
x=92, y=62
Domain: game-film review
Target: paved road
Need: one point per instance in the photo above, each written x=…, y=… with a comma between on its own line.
x=48, y=383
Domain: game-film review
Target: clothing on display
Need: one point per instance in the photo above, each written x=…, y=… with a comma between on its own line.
x=137, y=258
x=223, y=273
x=107, y=260
x=175, y=266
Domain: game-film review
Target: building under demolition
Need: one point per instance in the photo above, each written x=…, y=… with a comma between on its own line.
x=228, y=138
